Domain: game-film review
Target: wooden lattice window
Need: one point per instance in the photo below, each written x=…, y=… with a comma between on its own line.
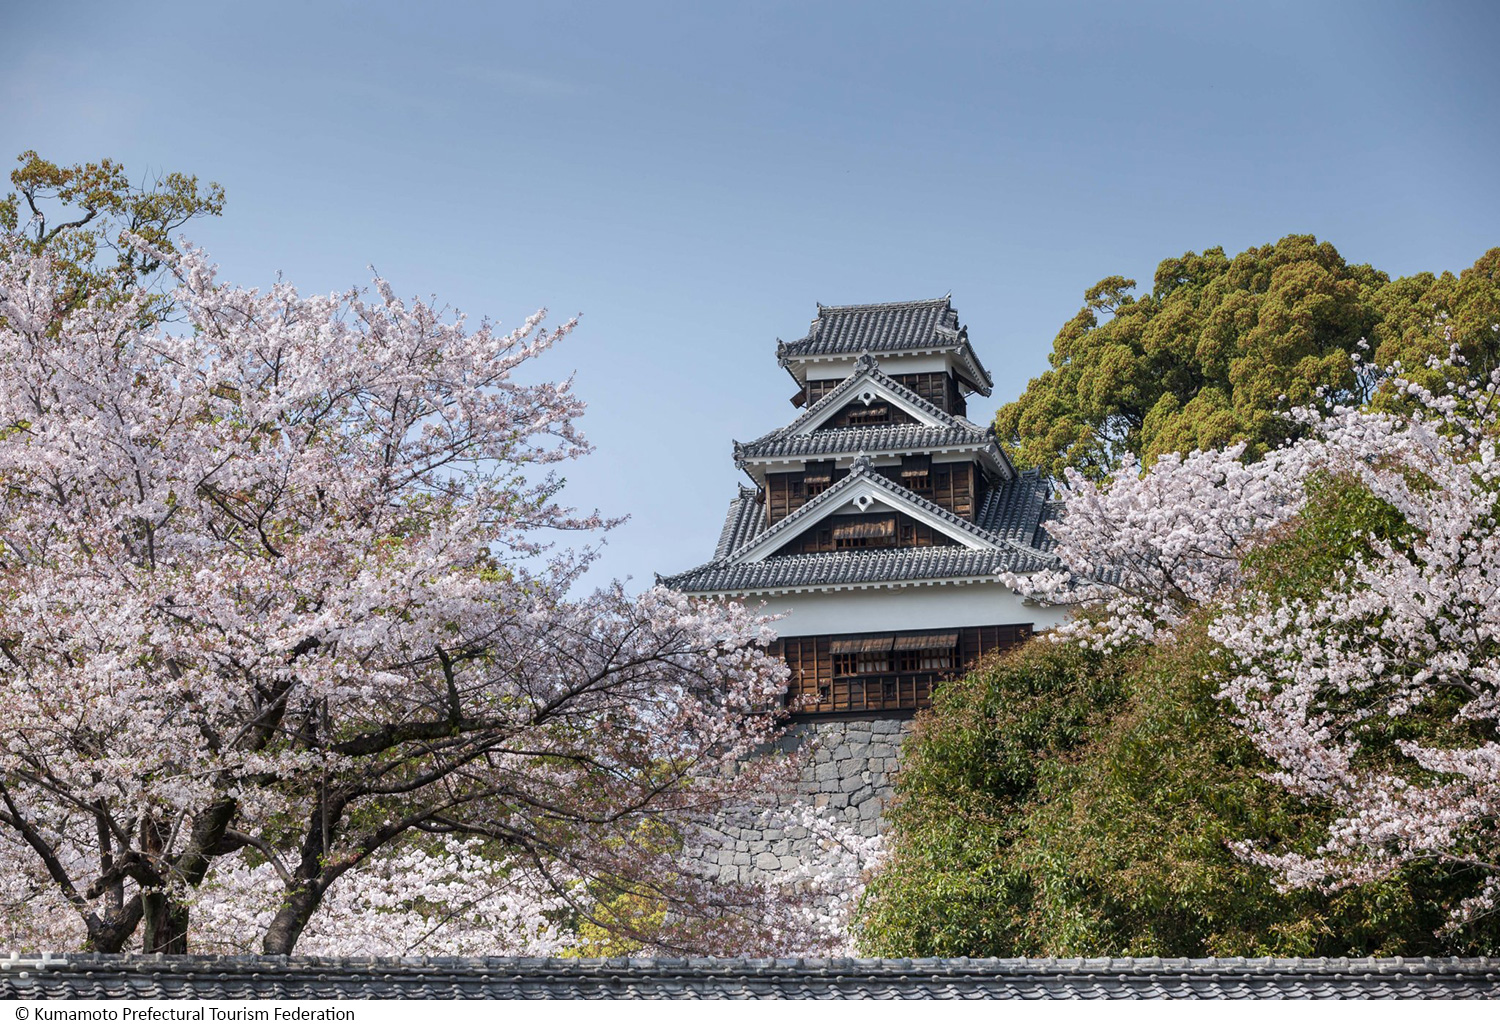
x=925, y=652
x=861, y=656
x=865, y=533
x=916, y=472
x=875, y=413
x=817, y=476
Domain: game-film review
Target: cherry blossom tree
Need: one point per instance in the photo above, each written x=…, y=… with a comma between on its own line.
x=279, y=605
x=1379, y=697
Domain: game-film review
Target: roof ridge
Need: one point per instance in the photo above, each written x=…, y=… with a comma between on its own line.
x=894, y=304
x=872, y=438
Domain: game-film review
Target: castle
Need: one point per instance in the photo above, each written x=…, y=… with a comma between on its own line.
x=877, y=523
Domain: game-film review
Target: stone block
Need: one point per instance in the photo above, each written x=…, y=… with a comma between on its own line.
x=790, y=863
x=871, y=808
x=767, y=862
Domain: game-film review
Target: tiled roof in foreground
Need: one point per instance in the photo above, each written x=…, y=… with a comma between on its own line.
x=98, y=976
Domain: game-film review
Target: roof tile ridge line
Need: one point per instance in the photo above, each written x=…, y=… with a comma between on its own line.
x=946, y=299
x=977, y=436
x=731, y=520
x=864, y=471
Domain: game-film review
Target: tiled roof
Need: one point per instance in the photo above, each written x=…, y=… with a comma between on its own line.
x=102, y=976
x=875, y=438
x=1051, y=510
x=867, y=566
x=1009, y=520
x=746, y=519
x=885, y=327
x=1013, y=510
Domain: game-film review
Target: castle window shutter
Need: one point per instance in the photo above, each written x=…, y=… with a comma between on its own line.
x=819, y=472
x=925, y=642
x=859, y=645
x=916, y=466
x=883, y=528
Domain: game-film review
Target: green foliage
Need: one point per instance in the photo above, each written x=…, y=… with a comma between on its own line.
x=1207, y=358
x=1340, y=521
x=78, y=213
x=1424, y=316
x=992, y=745
x=1066, y=803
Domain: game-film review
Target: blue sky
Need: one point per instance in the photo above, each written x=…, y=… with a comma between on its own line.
x=692, y=178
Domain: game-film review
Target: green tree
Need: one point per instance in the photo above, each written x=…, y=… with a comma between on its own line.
x=1210, y=356
x=1424, y=316
x=80, y=215
x=1063, y=802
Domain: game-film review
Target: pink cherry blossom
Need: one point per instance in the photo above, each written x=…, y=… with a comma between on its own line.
x=285, y=644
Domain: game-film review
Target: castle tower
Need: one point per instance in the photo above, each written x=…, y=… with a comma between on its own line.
x=880, y=517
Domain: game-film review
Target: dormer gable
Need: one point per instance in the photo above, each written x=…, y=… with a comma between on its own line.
x=862, y=492
x=868, y=387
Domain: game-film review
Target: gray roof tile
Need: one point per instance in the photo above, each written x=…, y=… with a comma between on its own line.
x=869, y=566
x=1013, y=510
x=879, y=438
x=746, y=518
x=104, y=976
x=886, y=327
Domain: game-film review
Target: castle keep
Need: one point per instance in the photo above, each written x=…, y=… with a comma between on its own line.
x=878, y=521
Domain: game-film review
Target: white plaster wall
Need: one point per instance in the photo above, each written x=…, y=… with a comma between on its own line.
x=934, y=607
x=841, y=367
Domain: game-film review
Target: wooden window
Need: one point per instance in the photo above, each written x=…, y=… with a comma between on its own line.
x=925, y=652
x=861, y=656
x=819, y=472
x=874, y=413
x=916, y=466
x=868, y=533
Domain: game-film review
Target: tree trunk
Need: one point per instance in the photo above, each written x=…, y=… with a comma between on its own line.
x=286, y=928
x=165, y=925
x=109, y=936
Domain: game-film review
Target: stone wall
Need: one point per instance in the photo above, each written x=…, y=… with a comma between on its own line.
x=847, y=773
